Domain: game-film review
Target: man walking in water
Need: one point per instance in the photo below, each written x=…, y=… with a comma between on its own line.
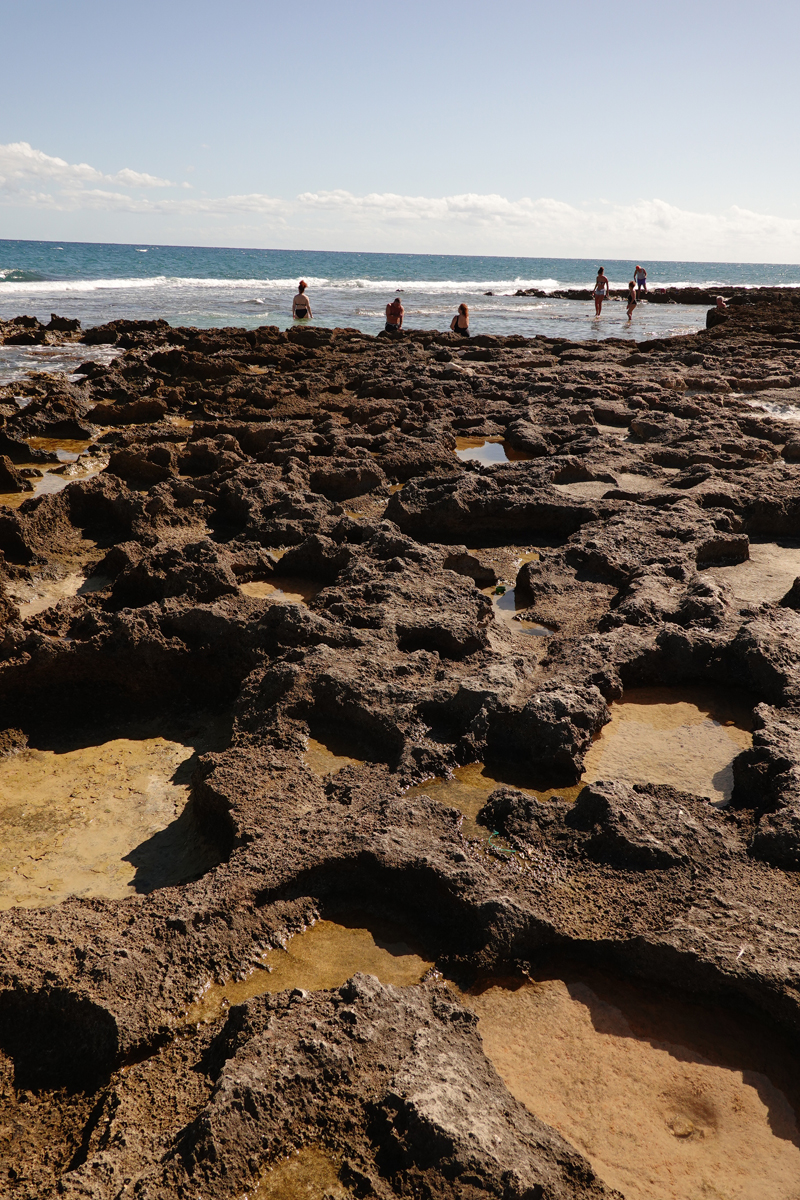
x=640, y=275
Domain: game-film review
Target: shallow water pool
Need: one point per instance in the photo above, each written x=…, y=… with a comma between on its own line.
x=686, y=737
x=311, y=1174
x=283, y=588
x=324, y=956
x=767, y=574
x=668, y=1100
x=470, y=786
x=108, y=820
x=487, y=451
x=510, y=610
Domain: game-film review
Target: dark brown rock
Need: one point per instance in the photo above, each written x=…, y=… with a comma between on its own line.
x=398, y=659
x=12, y=480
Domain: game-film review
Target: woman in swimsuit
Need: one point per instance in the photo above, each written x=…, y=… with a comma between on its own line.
x=301, y=309
x=600, y=292
x=460, y=322
x=631, y=298
x=394, y=316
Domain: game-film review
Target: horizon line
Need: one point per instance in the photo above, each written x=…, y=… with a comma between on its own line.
x=404, y=253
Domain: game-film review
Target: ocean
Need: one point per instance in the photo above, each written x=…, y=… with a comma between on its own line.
x=207, y=286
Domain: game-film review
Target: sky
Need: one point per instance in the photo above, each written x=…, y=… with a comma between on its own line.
x=533, y=127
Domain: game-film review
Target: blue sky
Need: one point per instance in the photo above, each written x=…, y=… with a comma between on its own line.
x=667, y=130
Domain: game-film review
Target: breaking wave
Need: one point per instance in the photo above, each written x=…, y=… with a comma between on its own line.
x=17, y=275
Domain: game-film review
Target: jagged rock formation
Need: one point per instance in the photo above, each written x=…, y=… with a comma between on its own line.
x=238, y=457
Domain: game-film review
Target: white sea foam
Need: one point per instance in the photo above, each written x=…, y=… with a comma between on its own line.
x=164, y=282
x=430, y=287
x=786, y=412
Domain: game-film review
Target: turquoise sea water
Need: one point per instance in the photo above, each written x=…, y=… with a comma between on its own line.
x=206, y=286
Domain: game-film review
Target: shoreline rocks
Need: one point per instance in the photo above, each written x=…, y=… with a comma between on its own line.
x=321, y=465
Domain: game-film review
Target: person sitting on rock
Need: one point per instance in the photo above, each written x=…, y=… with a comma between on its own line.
x=631, y=298
x=460, y=322
x=600, y=291
x=640, y=275
x=721, y=302
x=394, y=316
x=301, y=309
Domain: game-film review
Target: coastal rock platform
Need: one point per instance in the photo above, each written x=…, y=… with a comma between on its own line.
x=289, y=553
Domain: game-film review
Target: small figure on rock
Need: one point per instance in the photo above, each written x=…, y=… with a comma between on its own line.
x=640, y=275
x=301, y=309
x=631, y=298
x=394, y=316
x=717, y=315
x=600, y=292
x=460, y=322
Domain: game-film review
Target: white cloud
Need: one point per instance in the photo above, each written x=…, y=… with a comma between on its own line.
x=550, y=227
x=467, y=223
x=20, y=163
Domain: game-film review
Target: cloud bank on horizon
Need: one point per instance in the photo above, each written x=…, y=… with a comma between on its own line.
x=337, y=219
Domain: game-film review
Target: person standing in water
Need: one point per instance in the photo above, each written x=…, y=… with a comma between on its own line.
x=631, y=298
x=301, y=309
x=600, y=292
x=460, y=322
x=640, y=275
x=394, y=316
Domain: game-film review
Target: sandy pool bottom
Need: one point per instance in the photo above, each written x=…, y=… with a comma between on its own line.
x=685, y=737
x=311, y=1174
x=767, y=574
x=328, y=759
x=284, y=589
x=324, y=956
x=36, y=597
x=97, y=820
x=666, y=1104
x=469, y=787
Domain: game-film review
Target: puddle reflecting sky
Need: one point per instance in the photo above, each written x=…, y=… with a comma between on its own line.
x=487, y=451
x=50, y=481
x=510, y=610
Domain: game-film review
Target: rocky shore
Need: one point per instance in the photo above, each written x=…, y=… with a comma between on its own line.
x=210, y=464
x=667, y=295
